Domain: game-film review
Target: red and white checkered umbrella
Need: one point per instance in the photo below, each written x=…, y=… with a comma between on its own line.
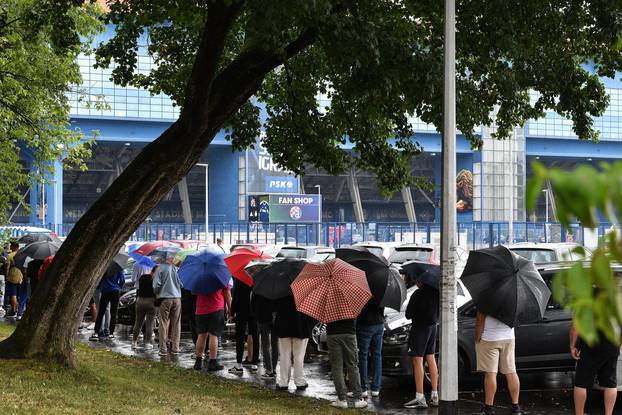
x=330, y=291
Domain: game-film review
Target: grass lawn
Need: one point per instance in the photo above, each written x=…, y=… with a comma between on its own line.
x=109, y=383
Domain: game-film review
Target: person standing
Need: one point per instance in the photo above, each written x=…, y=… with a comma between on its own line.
x=14, y=278
x=109, y=286
x=422, y=309
x=210, y=321
x=369, y=334
x=263, y=309
x=245, y=328
x=494, y=348
x=32, y=273
x=293, y=329
x=342, y=351
x=597, y=361
x=145, y=310
x=220, y=245
x=167, y=289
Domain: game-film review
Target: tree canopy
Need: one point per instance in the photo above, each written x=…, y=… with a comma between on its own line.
x=39, y=44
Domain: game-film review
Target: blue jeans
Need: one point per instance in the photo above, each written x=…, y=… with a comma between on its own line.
x=370, y=336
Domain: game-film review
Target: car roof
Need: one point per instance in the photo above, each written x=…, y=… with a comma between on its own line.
x=378, y=244
x=547, y=245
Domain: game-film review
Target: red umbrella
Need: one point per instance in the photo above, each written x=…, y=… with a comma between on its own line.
x=330, y=291
x=239, y=259
x=149, y=247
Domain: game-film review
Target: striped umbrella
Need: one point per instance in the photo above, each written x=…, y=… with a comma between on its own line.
x=331, y=290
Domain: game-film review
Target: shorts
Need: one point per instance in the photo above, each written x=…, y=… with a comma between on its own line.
x=603, y=368
x=422, y=341
x=495, y=356
x=212, y=323
x=12, y=290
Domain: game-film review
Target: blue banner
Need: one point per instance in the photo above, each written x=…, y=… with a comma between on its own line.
x=281, y=184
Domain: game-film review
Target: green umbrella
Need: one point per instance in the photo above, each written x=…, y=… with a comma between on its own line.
x=181, y=255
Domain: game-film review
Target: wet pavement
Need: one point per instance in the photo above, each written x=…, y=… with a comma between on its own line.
x=546, y=393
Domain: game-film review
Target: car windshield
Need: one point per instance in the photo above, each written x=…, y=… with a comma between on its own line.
x=402, y=255
x=322, y=256
x=538, y=256
x=376, y=250
x=291, y=253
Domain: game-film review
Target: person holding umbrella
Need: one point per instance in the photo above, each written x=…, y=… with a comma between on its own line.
x=14, y=278
x=109, y=286
x=422, y=309
x=167, y=289
x=145, y=309
x=245, y=328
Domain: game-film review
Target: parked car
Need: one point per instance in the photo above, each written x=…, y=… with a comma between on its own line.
x=546, y=253
x=541, y=346
x=384, y=249
x=414, y=252
x=126, y=313
x=312, y=253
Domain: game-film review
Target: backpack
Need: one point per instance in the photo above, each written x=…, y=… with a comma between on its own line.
x=15, y=274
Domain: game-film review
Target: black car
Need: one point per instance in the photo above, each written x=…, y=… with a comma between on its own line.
x=540, y=346
x=126, y=313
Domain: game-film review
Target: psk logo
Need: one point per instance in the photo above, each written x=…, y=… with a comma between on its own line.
x=295, y=213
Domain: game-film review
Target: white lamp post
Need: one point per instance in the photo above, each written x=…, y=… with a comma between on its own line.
x=206, y=166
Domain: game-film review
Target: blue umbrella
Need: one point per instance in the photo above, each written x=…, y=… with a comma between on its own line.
x=204, y=272
x=143, y=260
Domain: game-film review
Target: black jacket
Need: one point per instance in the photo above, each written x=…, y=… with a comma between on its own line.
x=423, y=306
x=262, y=308
x=371, y=315
x=290, y=322
x=241, y=300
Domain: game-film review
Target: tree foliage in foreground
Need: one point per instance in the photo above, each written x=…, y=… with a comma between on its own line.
x=591, y=290
x=377, y=61
x=39, y=44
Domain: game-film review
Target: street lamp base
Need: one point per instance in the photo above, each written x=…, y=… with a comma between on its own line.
x=448, y=407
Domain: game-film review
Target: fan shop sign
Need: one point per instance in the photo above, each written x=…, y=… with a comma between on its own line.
x=287, y=208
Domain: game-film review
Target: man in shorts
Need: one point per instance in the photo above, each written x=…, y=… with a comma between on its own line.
x=494, y=347
x=14, y=279
x=597, y=361
x=210, y=321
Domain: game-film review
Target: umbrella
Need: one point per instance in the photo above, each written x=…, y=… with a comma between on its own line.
x=274, y=279
x=36, y=250
x=505, y=286
x=385, y=282
x=37, y=237
x=254, y=267
x=239, y=259
x=425, y=272
x=118, y=262
x=163, y=254
x=204, y=272
x=330, y=291
x=181, y=255
x=149, y=247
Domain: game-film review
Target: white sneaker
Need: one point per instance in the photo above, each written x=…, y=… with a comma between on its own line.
x=375, y=394
x=434, y=400
x=134, y=345
x=338, y=403
x=148, y=346
x=416, y=404
x=364, y=394
x=361, y=403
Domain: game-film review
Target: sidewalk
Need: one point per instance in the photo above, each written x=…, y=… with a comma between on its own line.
x=541, y=395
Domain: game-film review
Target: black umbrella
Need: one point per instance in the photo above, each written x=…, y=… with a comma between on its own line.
x=255, y=266
x=36, y=250
x=425, y=272
x=385, y=282
x=118, y=263
x=30, y=238
x=274, y=280
x=506, y=286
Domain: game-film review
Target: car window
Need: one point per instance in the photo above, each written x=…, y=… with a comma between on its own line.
x=538, y=256
x=403, y=255
x=292, y=253
x=322, y=256
x=374, y=250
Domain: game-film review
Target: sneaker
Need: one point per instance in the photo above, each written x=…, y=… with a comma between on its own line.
x=416, y=404
x=162, y=353
x=94, y=337
x=254, y=368
x=198, y=364
x=245, y=362
x=268, y=375
x=339, y=403
x=11, y=314
x=282, y=388
x=516, y=409
x=236, y=370
x=214, y=366
x=360, y=403
x=302, y=387
x=364, y=394
x=375, y=394
x=134, y=345
x=148, y=346
x=176, y=352
x=434, y=400
x=111, y=336
x=485, y=410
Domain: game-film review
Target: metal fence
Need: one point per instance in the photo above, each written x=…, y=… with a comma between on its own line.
x=471, y=235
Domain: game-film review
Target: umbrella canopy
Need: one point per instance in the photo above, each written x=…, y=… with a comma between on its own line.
x=239, y=259
x=37, y=237
x=181, y=255
x=36, y=250
x=272, y=280
x=204, y=272
x=425, y=272
x=387, y=286
x=506, y=286
x=118, y=262
x=254, y=267
x=149, y=247
x=330, y=291
x=165, y=253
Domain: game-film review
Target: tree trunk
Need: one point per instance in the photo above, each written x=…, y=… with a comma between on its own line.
x=55, y=311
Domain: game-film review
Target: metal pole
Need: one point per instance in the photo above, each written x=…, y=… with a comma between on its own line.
x=448, y=315
x=55, y=208
x=546, y=201
x=206, y=166
x=511, y=201
x=319, y=208
x=43, y=202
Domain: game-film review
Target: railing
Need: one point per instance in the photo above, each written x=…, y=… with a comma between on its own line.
x=471, y=235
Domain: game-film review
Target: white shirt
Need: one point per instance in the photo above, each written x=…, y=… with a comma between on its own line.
x=495, y=330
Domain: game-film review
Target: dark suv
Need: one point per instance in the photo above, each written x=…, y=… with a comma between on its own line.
x=540, y=346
